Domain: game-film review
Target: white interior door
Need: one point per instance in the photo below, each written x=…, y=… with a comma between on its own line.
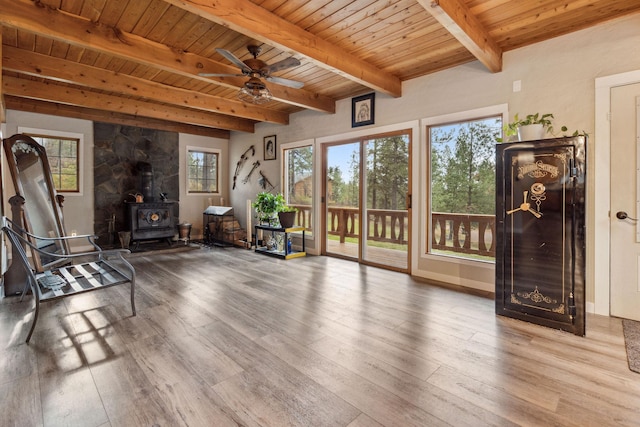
x=625, y=199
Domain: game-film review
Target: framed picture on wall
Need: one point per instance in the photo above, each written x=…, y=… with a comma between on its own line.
x=363, y=110
x=270, y=147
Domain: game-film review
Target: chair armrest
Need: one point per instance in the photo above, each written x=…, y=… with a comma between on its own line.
x=90, y=237
x=18, y=235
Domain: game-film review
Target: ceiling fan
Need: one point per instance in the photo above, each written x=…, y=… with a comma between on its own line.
x=254, y=89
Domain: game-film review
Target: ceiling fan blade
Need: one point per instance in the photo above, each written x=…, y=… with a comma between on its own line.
x=234, y=59
x=284, y=82
x=281, y=65
x=220, y=75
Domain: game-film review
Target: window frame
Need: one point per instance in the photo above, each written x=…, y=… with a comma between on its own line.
x=205, y=150
x=310, y=235
x=426, y=217
x=53, y=134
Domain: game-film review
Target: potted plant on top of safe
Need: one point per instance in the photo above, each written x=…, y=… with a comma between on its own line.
x=267, y=206
x=532, y=127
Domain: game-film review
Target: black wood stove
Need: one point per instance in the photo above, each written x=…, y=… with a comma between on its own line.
x=152, y=220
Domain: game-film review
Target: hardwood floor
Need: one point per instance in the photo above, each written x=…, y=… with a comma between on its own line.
x=392, y=258
x=228, y=337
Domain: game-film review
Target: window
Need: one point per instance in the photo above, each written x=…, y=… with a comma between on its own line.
x=62, y=153
x=202, y=167
x=462, y=169
x=298, y=182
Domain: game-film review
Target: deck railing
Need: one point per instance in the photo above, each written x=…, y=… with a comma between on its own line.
x=385, y=225
x=303, y=216
x=454, y=232
x=464, y=233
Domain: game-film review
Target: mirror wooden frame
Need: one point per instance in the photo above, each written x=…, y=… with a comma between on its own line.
x=32, y=180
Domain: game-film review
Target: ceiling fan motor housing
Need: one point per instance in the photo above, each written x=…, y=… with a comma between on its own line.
x=256, y=65
x=255, y=90
x=254, y=83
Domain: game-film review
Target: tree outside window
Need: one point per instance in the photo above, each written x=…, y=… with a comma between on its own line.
x=202, y=169
x=62, y=154
x=388, y=177
x=463, y=183
x=298, y=181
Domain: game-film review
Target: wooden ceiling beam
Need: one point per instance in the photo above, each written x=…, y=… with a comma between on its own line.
x=48, y=91
x=35, y=64
x=254, y=21
x=51, y=23
x=64, y=110
x=455, y=17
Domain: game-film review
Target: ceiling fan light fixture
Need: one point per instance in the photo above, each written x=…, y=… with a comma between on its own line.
x=255, y=91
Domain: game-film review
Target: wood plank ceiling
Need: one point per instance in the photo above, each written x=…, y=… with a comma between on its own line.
x=138, y=61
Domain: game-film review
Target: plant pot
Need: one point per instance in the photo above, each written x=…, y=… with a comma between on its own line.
x=530, y=132
x=286, y=219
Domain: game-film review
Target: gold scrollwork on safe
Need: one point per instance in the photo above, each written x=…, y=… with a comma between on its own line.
x=538, y=194
x=538, y=169
x=537, y=297
x=559, y=309
x=515, y=300
x=563, y=156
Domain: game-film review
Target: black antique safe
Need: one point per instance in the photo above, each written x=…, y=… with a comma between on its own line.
x=540, y=232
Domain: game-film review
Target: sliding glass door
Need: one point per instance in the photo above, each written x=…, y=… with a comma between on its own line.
x=367, y=200
x=342, y=200
x=386, y=210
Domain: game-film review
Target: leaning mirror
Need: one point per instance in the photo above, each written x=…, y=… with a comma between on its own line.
x=31, y=175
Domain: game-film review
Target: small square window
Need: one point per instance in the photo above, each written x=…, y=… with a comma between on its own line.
x=202, y=171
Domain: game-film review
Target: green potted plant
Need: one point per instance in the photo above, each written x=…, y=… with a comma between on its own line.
x=267, y=206
x=535, y=126
x=287, y=216
x=532, y=127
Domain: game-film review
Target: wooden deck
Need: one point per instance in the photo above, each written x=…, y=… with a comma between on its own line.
x=228, y=337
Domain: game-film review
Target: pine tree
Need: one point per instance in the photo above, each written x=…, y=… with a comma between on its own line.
x=463, y=168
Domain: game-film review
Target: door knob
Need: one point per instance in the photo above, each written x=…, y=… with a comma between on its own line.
x=624, y=215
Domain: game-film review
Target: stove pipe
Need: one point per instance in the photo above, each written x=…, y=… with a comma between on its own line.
x=146, y=180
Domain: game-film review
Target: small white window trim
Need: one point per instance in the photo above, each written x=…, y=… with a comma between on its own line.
x=61, y=134
x=186, y=175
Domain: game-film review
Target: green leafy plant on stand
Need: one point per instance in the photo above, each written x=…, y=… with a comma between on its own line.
x=267, y=206
x=287, y=208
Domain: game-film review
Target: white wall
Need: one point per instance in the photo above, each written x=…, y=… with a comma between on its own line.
x=557, y=76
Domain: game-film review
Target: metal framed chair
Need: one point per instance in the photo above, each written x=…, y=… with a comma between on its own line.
x=68, y=274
